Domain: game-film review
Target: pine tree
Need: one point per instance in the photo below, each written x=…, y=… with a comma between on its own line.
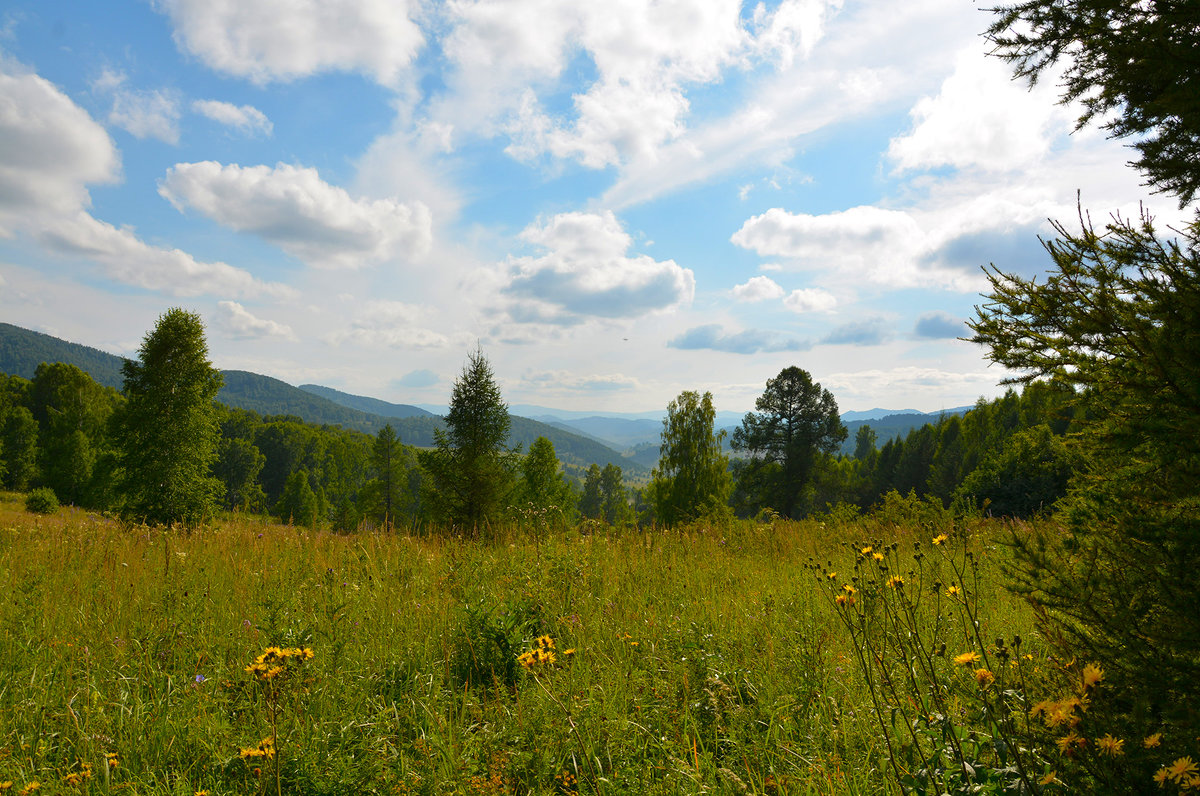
x=167, y=431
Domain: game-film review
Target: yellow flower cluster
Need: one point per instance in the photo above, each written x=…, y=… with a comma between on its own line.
x=112, y=759
x=1182, y=772
x=966, y=658
x=275, y=661
x=265, y=748
x=984, y=677
x=1056, y=712
x=542, y=654
x=75, y=779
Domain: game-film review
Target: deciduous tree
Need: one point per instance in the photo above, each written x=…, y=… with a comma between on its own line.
x=692, y=478
x=167, y=431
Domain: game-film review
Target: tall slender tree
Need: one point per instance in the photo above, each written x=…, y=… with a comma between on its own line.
x=167, y=431
x=692, y=478
x=472, y=470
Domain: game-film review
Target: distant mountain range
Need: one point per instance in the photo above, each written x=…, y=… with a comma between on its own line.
x=629, y=440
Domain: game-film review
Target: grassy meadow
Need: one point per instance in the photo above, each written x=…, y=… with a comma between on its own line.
x=701, y=660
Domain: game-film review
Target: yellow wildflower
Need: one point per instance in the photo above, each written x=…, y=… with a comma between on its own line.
x=941, y=539
x=1113, y=747
x=567, y=653
x=866, y=550
x=6, y=785
x=200, y=793
x=840, y=599
x=984, y=677
x=877, y=556
x=1050, y=779
x=966, y=658
x=113, y=759
x=831, y=575
x=1161, y=776
x=953, y=591
x=30, y=787
x=545, y=642
x=849, y=589
x=1181, y=769
x=1070, y=742
x=1152, y=741
x=1092, y=674
x=895, y=581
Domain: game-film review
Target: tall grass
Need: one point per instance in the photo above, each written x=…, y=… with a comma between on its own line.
x=707, y=660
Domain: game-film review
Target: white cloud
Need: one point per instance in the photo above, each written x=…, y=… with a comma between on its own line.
x=287, y=39
x=246, y=118
x=981, y=118
x=758, y=288
x=131, y=261
x=587, y=272
x=147, y=113
x=810, y=299
x=50, y=150
x=305, y=216
x=916, y=384
x=240, y=324
x=563, y=380
x=391, y=324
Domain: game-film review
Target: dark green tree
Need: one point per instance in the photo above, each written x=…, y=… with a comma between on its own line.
x=614, y=496
x=1134, y=66
x=72, y=412
x=591, y=503
x=1027, y=476
x=385, y=497
x=471, y=470
x=18, y=442
x=796, y=421
x=542, y=485
x=237, y=467
x=167, y=432
x=1118, y=319
x=299, y=504
x=692, y=477
x=864, y=443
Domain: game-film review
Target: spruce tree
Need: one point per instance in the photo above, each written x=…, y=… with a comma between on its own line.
x=167, y=431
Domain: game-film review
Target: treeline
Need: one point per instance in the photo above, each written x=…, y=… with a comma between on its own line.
x=59, y=431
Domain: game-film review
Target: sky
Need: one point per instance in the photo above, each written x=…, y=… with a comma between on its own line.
x=615, y=201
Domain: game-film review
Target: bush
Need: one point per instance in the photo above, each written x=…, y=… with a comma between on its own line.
x=42, y=501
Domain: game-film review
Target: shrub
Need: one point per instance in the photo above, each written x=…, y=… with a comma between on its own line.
x=42, y=501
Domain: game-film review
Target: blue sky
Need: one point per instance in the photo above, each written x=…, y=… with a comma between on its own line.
x=618, y=201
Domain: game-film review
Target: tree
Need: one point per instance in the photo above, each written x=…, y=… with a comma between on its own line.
x=796, y=421
x=386, y=495
x=541, y=483
x=864, y=442
x=692, y=477
x=1134, y=66
x=72, y=412
x=299, y=504
x=471, y=470
x=167, y=431
x=1118, y=319
x=614, y=497
x=238, y=464
x=591, y=503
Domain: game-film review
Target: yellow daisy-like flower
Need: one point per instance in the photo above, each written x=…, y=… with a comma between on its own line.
x=831, y=575
x=841, y=599
x=567, y=653
x=849, y=589
x=966, y=658
x=30, y=787
x=866, y=550
x=1152, y=741
x=113, y=759
x=1050, y=779
x=545, y=643
x=6, y=785
x=1161, y=776
x=877, y=556
x=200, y=793
x=1092, y=674
x=73, y=780
x=953, y=591
x=1113, y=747
x=1070, y=742
x=984, y=677
x=895, y=582
x=1181, y=769
x=940, y=539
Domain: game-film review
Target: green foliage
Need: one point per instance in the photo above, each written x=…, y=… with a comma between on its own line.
x=386, y=497
x=471, y=470
x=1027, y=476
x=796, y=421
x=692, y=478
x=299, y=504
x=19, y=446
x=864, y=442
x=167, y=431
x=1131, y=65
x=42, y=501
x=1118, y=317
x=237, y=467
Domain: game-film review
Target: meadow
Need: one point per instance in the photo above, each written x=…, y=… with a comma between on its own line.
x=593, y=660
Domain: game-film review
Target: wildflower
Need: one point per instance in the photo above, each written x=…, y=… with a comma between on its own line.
x=30, y=787
x=984, y=677
x=1161, y=776
x=1069, y=742
x=849, y=589
x=966, y=658
x=895, y=582
x=1050, y=779
x=939, y=540
x=6, y=785
x=866, y=550
x=567, y=653
x=200, y=793
x=953, y=591
x=1113, y=747
x=840, y=599
x=1092, y=674
x=265, y=748
x=545, y=643
x=877, y=556
x=113, y=759
x=1181, y=769
x=831, y=575
x=1152, y=741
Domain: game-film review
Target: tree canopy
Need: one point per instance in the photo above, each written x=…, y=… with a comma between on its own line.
x=168, y=428
x=692, y=478
x=1134, y=66
x=796, y=421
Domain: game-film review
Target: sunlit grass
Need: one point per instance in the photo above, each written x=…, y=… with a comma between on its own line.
x=706, y=659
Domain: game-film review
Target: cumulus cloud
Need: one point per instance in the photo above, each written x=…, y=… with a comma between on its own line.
x=390, y=324
x=240, y=324
x=750, y=341
x=270, y=40
x=245, y=118
x=915, y=382
x=293, y=208
x=586, y=271
x=810, y=299
x=938, y=325
x=50, y=150
x=129, y=260
x=873, y=331
x=758, y=288
x=143, y=113
x=981, y=118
